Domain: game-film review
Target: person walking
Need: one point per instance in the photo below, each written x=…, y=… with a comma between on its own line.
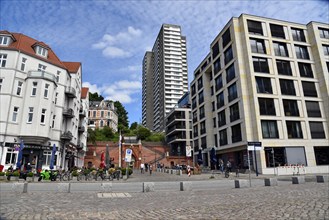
x=229, y=166
x=142, y=168
x=188, y=170
x=150, y=168
x=221, y=165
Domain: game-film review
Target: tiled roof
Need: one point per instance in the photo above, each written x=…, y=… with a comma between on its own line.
x=72, y=67
x=84, y=92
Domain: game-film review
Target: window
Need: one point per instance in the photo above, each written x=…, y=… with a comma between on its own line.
x=195, y=131
x=313, y=109
x=317, y=131
x=324, y=33
x=228, y=55
x=30, y=115
x=217, y=66
x=41, y=51
x=215, y=50
x=280, y=49
x=200, y=83
x=260, y=65
x=287, y=87
x=23, y=64
x=3, y=60
x=221, y=118
x=19, y=88
x=102, y=114
x=215, y=139
x=201, y=111
x=193, y=89
x=298, y=35
x=53, y=123
x=45, y=94
x=4, y=40
x=213, y=106
x=301, y=52
x=201, y=97
x=234, y=112
x=264, y=85
x=230, y=73
x=34, y=88
x=220, y=100
x=266, y=106
x=321, y=155
x=43, y=116
x=11, y=156
x=219, y=82
x=94, y=114
x=277, y=31
x=226, y=38
x=211, y=90
x=236, y=133
x=196, y=145
x=294, y=129
x=46, y=158
x=269, y=129
x=101, y=123
x=203, y=127
x=204, y=143
x=305, y=70
x=194, y=103
x=283, y=67
x=290, y=107
x=195, y=116
x=222, y=137
x=257, y=46
x=214, y=122
x=309, y=89
x=56, y=97
x=255, y=27
x=15, y=113
x=1, y=81
x=58, y=75
x=326, y=50
x=232, y=92
x=41, y=67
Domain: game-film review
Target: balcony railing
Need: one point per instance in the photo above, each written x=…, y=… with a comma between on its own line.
x=81, y=129
x=70, y=92
x=67, y=136
x=82, y=113
x=68, y=113
x=42, y=75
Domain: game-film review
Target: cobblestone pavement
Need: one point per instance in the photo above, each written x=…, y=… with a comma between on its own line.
x=304, y=201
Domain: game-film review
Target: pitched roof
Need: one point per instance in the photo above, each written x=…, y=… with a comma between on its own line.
x=72, y=67
x=84, y=92
x=26, y=45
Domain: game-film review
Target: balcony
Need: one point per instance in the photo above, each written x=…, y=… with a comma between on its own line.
x=67, y=136
x=68, y=113
x=80, y=147
x=70, y=92
x=81, y=129
x=41, y=75
x=82, y=113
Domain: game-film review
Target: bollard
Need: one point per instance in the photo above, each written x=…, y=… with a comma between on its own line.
x=271, y=182
x=241, y=183
x=322, y=179
x=298, y=179
x=185, y=186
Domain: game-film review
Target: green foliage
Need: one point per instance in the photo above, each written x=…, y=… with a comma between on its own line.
x=156, y=137
x=123, y=171
x=142, y=132
x=75, y=173
x=30, y=174
x=95, y=97
x=2, y=173
x=104, y=134
x=16, y=173
x=122, y=116
x=133, y=126
x=91, y=136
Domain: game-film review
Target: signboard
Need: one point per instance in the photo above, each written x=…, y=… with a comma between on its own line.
x=255, y=145
x=128, y=155
x=188, y=151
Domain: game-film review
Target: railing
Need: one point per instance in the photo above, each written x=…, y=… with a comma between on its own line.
x=41, y=74
x=70, y=92
x=67, y=135
x=82, y=113
x=68, y=113
x=81, y=129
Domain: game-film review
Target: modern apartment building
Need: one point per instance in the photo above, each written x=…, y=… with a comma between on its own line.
x=40, y=104
x=179, y=127
x=164, y=76
x=101, y=114
x=266, y=81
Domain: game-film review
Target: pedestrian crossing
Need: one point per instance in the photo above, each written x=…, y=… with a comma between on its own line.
x=113, y=195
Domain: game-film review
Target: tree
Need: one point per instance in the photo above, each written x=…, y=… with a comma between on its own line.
x=142, y=132
x=133, y=126
x=91, y=136
x=123, y=122
x=107, y=132
x=95, y=97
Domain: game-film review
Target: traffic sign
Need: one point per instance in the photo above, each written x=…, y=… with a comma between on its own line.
x=128, y=155
x=188, y=151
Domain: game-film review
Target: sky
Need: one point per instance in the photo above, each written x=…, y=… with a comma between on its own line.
x=110, y=38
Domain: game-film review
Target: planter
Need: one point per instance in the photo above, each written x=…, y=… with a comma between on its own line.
x=14, y=178
x=3, y=177
x=30, y=179
x=74, y=178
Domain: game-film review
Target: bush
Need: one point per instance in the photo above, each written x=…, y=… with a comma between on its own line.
x=30, y=174
x=2, y=173
x=123, y=171
x=75, y=173
x=16, y=173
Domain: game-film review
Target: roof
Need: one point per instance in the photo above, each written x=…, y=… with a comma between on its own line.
x=26, y=45
x=72, y=67
x=84, y=92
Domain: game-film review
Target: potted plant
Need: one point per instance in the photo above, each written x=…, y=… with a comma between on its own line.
x=2, y=175
x=15, y=176
x=30, y=177
x=75, y=175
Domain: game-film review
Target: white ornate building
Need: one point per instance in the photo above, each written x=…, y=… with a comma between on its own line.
x=41, y=104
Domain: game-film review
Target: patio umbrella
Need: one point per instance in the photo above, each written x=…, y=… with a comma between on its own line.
x=200, y=160
x=52, y=159
x=107, y=156
x=102, y=165
x=20, y=155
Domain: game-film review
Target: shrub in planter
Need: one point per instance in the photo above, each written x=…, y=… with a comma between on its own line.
x=75, y=173
x=123, y=171
x=16, y=173
x=30, y=174
x=2, y=173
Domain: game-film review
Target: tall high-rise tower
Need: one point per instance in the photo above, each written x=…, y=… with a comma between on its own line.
x=164, y=76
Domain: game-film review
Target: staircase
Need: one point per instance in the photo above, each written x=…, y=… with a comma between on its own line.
x=158, y=154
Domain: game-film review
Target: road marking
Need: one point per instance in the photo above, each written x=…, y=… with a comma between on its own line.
x=113, y=195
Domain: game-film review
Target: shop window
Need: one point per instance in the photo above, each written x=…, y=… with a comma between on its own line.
x=11, y=156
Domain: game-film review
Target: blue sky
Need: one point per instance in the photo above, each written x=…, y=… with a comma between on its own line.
x=110, y=37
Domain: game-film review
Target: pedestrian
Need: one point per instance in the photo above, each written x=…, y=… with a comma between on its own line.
x=142, y=168
x=221, y=165
x=150, y=168
x=229, y=166
x=28, y=167
x=188, y=170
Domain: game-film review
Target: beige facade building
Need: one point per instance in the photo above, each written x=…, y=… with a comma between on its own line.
x=265, y=81
x=101, y=114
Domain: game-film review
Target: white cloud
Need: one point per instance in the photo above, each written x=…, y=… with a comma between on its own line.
x=131, y=68
x=92, y=87
x=119, y=45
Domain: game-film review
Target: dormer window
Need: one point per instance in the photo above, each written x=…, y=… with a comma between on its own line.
x=4, y=40
x=41, y=51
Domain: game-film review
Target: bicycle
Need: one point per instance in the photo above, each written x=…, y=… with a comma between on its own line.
x=64, y=176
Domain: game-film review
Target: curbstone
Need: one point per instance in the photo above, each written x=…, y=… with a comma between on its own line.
x=298, y=179
x=17, y=187
x=185, y=186
x=322, y=179
x=148, y=187
x=271, y=182
x=241, y=183
x=63, y=187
